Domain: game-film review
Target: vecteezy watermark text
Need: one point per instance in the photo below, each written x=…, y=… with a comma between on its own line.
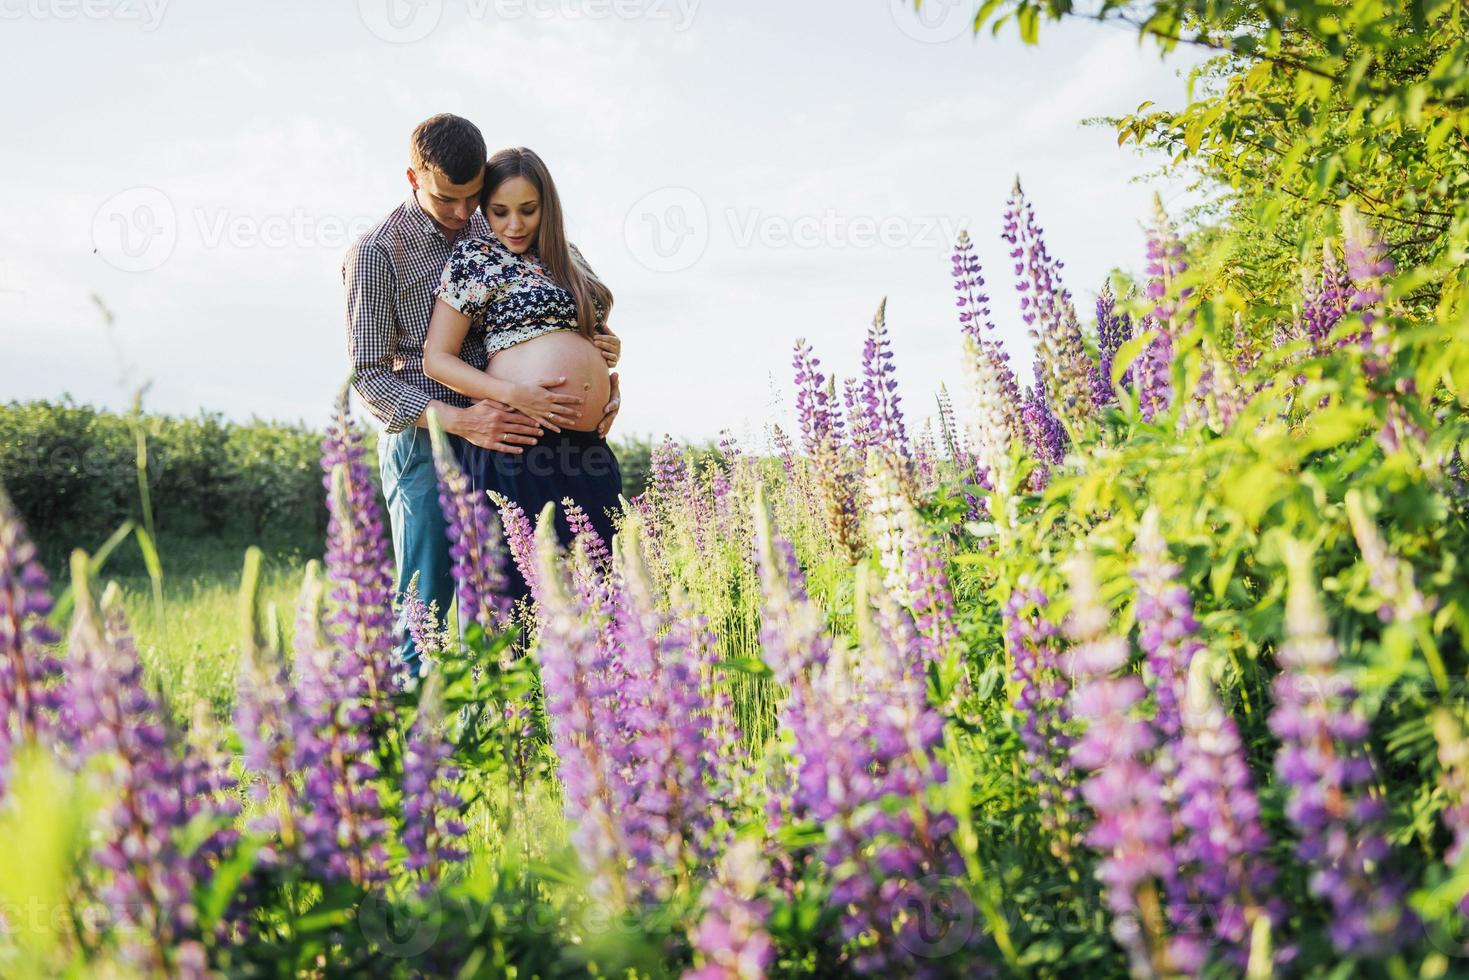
x=138, y=229
x=407, y=21
x=147, y=14
x=669, y=229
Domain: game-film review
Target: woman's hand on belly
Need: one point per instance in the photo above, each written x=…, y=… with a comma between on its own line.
x=547, y=402
x=560, y=354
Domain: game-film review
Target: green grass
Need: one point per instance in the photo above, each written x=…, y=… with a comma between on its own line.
x=190, y=651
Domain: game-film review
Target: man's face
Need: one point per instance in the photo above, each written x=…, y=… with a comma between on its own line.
x=450, y=205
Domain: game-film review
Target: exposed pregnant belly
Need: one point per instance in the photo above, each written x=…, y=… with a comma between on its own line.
x=560, y=353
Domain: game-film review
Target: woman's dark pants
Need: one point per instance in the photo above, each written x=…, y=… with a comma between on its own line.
x=579, y=465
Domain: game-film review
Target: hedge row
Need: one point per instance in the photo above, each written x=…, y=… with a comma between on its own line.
x=72, y=471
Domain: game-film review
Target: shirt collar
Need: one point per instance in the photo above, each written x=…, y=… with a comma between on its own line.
x=416, y=212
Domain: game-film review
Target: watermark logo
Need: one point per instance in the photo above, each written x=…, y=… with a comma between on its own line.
x=938, y=918
x=667, y=230
x=401, y=21
x=397, y=931
x=932, y=21
x=1444, y=921
x=136, y=230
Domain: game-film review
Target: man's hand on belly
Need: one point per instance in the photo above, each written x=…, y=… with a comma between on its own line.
x=494, y=425
x=613, y=404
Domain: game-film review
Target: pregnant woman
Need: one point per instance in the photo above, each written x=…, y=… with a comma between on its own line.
x=544, y=316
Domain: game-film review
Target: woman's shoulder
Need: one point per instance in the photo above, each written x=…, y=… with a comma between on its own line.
x=482, y=245
x=482, y=254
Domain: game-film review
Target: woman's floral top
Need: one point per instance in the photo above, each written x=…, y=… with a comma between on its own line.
x=509, y=296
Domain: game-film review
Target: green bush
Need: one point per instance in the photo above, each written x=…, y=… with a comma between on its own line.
x=73, y=472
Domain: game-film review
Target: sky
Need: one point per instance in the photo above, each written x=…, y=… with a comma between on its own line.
x=741, y=173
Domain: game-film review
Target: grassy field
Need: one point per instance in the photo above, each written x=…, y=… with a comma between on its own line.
x=190, y=644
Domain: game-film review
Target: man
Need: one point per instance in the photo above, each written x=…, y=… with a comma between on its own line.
x=390, y=276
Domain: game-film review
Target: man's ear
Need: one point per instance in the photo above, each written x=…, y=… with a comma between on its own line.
x=413, y=178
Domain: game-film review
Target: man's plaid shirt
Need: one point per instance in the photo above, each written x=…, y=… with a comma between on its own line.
x=391, y=274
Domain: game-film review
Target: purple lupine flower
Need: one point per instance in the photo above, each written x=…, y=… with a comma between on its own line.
x=1114, y=328
x=1325, y=300
x=520, y=538
x=972, y=300
x=1043, y=298
x=1221, y=849
x=861, y=431
x=359, y=568
x=1153, y=371
x=268, y=715
x=582, y=530
x=1167, y=630
x=785, y=450
x=341, y=820
x=730, y=940
x=31, y=688
x=158, y=792
x=1325, y=764
x=822, y=432
x=1219, y=842
x=665, y=717
x=880, y=403
x=1166, y=266
x=792, y=632
x=925, y=454
x=669, y=471
x=591, y=560
x=821, y=426
x=1132, y=830
x=431, y=826
x=1045, y=436
x=1046, y=308
x=342, y=823
x=422, y=621
x=729, y=448
x=860, y=736
x=476, y=545
x=581, y=695
x=1041, y=712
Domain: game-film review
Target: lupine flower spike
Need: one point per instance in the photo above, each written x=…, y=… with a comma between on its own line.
x=31, y=688
x=1132, y=830
x=476, y=543
x=1323, y=760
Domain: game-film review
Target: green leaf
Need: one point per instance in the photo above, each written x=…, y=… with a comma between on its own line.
x=1128, y=353
x=215, y=898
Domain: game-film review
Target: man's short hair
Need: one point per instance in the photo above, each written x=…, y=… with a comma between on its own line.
x=450, y=144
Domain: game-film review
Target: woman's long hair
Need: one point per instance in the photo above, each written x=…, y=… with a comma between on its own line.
x=564, y=268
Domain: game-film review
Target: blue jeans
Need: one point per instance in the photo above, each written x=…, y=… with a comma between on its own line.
x=420, y=543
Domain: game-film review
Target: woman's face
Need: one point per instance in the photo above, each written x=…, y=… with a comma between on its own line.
x=514, y=213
